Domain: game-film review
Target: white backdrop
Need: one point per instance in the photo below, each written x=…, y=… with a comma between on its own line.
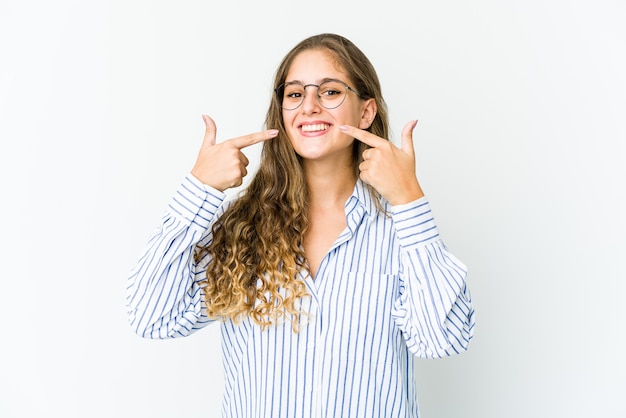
x=521, y=149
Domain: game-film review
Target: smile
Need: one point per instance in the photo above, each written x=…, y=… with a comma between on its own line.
x=317, y=127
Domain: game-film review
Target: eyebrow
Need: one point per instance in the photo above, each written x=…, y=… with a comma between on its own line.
x=323, y=80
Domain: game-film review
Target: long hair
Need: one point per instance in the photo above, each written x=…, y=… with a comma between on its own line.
x=256, y=251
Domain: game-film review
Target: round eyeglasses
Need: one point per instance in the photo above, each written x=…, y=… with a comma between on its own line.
x=330, y=93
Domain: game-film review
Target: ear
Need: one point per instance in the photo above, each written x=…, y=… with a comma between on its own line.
x=368, y=114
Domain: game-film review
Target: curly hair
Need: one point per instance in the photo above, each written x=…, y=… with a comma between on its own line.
x=257, y=253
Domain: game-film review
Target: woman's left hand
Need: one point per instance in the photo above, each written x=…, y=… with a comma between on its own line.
x=387, y=168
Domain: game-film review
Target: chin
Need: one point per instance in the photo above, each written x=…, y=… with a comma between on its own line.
x=310, y=155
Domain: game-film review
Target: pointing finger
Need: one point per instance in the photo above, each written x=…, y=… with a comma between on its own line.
x=407, y=137
x=209, y=134
x=251, y=139
x=363, y=136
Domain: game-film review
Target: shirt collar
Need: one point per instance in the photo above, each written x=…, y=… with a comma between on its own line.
x=361, y=198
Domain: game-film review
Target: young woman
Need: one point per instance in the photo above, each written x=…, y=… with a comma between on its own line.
x=327, y=275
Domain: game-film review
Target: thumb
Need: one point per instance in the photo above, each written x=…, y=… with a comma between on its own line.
x=211, y=130
x=407, y=138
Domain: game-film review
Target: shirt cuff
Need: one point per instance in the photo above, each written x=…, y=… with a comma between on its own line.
x=196, y=202
x=414, y=223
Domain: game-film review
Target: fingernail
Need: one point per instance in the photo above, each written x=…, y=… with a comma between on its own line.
x=273, y=132
x=343, y=128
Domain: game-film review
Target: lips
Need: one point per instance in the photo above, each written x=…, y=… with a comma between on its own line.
x=315, y=127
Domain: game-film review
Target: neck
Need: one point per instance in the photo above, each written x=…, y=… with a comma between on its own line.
x=329, y=184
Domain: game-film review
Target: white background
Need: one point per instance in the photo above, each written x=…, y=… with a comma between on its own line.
x=520, y=144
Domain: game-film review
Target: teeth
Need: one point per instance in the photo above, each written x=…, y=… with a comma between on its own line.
x=316, y=127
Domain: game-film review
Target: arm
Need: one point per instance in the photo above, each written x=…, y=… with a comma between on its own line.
x=434, y=310
x=164, y=297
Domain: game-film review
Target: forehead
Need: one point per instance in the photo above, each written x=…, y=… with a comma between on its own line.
x=313, y=65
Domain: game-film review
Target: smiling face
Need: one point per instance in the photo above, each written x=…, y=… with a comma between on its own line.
x=314, y=130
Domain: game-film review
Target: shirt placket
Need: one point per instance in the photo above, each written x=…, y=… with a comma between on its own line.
x=316, y=394
x=314, y=350
x=353, y=219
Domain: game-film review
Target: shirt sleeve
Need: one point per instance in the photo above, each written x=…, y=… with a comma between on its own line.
x=434, y=310
x=164, y=297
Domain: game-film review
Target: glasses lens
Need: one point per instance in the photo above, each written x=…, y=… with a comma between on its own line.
x=291, y=94
x=332, y=94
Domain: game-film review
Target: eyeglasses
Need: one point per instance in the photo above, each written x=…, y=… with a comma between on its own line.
x=330, y=93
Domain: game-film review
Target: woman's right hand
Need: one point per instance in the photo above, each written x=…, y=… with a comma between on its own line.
x=223, y=165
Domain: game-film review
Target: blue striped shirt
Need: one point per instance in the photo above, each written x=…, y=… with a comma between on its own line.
x=388, y=290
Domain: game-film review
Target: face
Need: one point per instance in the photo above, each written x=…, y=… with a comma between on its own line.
x=314, y=130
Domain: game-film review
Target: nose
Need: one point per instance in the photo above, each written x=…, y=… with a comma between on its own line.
x=311, y=103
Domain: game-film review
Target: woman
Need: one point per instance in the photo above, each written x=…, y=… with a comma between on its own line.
x=327, y=274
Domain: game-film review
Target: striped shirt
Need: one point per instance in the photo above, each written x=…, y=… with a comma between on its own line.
x=387, y=290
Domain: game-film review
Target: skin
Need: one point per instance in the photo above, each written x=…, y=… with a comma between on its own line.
x=327, y=147
x=326, y=154
x=387, y=168
x=223, y=166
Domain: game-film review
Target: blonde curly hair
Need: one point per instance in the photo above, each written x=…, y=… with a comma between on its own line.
x=257, y=253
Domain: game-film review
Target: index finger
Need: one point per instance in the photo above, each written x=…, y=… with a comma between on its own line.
x=251, y=139
x=364, y=136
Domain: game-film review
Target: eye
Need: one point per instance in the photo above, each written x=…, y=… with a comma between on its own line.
x=331, y=90
x=293, y=91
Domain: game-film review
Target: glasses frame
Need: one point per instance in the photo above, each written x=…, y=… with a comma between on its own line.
x=319, y=98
